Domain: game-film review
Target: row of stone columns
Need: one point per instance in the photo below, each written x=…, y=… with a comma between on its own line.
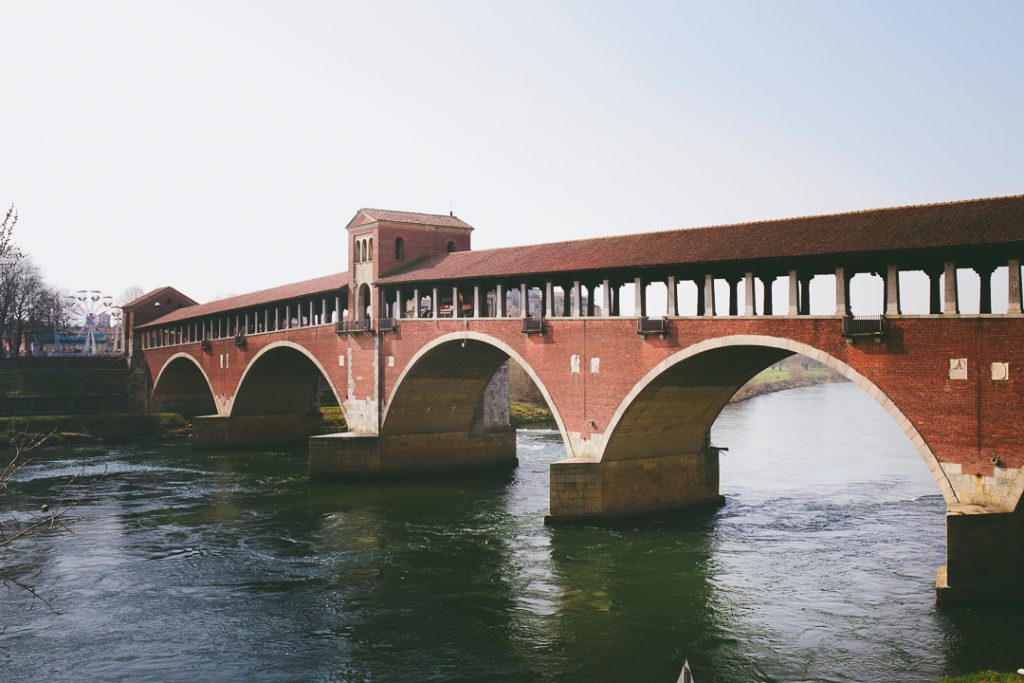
x=799, y=299
x=315, y=311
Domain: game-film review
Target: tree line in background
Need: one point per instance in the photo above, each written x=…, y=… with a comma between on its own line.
x=29, y=307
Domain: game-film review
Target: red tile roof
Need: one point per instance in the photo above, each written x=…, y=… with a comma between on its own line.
x=992, y=221
x=413, y=217
x=319, y=285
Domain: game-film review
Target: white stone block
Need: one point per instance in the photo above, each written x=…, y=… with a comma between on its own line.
x=1000, y=372
x=958, y=368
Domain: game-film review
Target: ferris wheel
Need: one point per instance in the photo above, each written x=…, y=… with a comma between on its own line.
x=87, y=306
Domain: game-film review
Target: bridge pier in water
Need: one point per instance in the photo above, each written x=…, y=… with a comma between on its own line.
x=984, y=557
x=223, y=431
x=585, y=490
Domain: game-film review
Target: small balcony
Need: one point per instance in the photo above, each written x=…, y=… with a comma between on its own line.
x=533, y=325
x=387, y=324
x=646, y=326
x=206, y=345
x=240, y=341
x=364, y=326
x=868, y=326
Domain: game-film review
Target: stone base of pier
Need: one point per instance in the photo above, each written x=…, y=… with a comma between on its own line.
x=587, y=490
x=354, y=456
x=216, y=431
x=984, y=557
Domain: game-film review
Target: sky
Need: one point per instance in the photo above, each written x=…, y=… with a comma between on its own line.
x=221, y=147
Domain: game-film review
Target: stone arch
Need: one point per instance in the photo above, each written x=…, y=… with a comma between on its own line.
x=362, y=309
x=280, y=380
x=728, y=362
x=430, y=368
x=182, y=386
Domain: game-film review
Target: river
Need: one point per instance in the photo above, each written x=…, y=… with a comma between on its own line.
x=187, y=565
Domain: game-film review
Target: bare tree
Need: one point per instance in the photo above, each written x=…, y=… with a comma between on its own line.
x=129, y=295
x=48, y=519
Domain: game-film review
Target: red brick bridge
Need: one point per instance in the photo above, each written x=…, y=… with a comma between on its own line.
x=413, y=339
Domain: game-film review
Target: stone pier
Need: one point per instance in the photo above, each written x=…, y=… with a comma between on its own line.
x=984, y=557
x=584, y=490
x=218, y=431
x=353, y=456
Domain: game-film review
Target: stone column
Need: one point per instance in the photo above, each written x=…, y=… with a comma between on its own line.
x=766, y=293
x=749, y=298
x=524, y=301
x=548, y=294
x=456, y=304
x=892, y=290
x=794, y=294
x=734, y=303
x=709, y=295
x=398, y=303
x=577, y=298
x=805, y=296
x=951, y=305
x=673, y=303
x=416, y=302
x=287, y=317
x=842, y=292
x=499, y=300
x=639, y=297
x=985, y=294
x=476, y=301
x=1013, y=279
x=323, y=310
x=606, y=294
x=434, y=307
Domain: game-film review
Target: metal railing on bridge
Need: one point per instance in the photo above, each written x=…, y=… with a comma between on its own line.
x=646, y=326
x=363, y=326
x=533, y=325
x=876, y=326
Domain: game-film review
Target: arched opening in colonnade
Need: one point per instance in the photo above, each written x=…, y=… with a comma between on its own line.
x=182, y=387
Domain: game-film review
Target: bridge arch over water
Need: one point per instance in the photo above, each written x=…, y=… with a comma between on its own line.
x=283, y=378
x=454, y=371
x=182, y=386
x=672, y=408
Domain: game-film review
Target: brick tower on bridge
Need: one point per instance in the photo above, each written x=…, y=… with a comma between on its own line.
x=412, y=338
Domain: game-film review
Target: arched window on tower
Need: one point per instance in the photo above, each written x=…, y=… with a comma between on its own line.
x=451, y=247
x=369, y=249
x=399, y=249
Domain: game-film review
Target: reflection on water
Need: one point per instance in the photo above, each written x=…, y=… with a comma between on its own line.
x=227, y=566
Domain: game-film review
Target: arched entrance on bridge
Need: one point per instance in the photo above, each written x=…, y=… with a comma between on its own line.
x=672, y=409
x=283, y=379
x=182, y=386
x=442, y=389
x=363, y=302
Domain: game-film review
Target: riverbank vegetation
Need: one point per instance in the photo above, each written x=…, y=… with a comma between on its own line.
x=102, y=426
x=985, y=677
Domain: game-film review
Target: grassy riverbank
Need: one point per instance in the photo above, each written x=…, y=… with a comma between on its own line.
x=985, y=677
x=99, y=426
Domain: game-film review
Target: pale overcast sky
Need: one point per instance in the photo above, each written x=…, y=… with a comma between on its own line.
x=221, y=147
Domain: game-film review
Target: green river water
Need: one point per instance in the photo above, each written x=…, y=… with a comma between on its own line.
x=191, y=565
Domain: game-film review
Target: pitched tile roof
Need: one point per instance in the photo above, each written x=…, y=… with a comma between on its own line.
x=975, y=222
x=294, y=290
x=413, y=217
x=158, y=293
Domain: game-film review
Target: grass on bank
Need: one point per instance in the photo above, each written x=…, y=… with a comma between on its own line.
x=108, y=426
x=985, y=677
